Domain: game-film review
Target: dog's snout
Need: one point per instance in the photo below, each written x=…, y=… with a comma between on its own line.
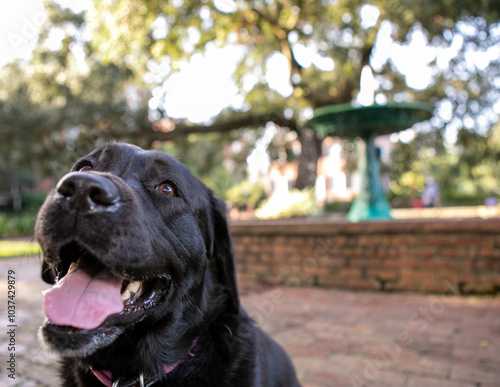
x=88, y=190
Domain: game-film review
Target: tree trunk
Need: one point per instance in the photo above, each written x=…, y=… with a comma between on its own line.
x=308, y=159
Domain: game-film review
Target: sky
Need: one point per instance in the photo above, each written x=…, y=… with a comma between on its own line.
x=19, y=24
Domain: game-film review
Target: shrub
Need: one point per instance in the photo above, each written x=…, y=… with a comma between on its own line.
x=16, y=224
x=337, y=207
x=291, y=205
x=247, y=194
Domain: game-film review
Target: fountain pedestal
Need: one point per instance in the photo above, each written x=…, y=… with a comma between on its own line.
x=371, y=202
x=368, y=122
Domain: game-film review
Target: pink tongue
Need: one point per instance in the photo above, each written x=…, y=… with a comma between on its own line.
x=84, y=298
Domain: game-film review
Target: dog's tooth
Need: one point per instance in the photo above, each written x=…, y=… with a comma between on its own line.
x=134, y=286
x=126, y=295
x=72, y=266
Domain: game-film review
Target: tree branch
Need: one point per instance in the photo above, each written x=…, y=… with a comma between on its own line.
x=171, y=129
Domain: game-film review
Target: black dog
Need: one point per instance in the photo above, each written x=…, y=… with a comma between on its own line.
x=145, y=288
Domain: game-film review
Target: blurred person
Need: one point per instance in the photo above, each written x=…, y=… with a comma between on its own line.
x=431, y=194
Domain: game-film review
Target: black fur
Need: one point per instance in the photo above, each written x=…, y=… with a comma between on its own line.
x=181, y=247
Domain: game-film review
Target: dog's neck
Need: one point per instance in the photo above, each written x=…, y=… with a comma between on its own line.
x=107, y=379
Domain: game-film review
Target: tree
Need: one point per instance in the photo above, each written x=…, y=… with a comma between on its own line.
x=414, y=162
x=98, y=87
x=63, y=102
x=478, y=165
x=337, y=43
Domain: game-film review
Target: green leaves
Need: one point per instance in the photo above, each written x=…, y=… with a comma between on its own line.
x=97, y=84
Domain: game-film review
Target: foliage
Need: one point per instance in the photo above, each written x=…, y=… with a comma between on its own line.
x=478, y=167
x=333, y=34
x=247, y=194
x=452, y=198
x=63, y=103
x=20, y=224
x=467, y=174
x=95, y=84
x=296, y=203
x=413, y=162
x=33, y=201
x=337, y=207
x=17, y=224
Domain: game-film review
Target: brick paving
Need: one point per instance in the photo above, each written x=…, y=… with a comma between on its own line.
x=335, y=337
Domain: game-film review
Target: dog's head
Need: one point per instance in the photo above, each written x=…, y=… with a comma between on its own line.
x=133, y=244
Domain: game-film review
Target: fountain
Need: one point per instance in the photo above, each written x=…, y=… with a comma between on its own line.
x=367, y=122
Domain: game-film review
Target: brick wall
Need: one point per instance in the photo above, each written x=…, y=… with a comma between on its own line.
x=410, y=255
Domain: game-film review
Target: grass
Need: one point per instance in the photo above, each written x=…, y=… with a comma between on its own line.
x=18, y=248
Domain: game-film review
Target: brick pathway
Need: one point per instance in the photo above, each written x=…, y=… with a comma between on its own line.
x=336, y=338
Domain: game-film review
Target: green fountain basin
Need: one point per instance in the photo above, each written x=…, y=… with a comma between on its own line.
x=368, y=122
x=351, y=121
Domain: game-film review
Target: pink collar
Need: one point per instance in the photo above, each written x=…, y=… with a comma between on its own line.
x=106, y=377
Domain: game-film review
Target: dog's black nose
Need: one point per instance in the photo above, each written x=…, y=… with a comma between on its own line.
x=88, y=191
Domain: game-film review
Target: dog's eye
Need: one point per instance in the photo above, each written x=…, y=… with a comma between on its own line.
x=85, y=168
x=166, y=189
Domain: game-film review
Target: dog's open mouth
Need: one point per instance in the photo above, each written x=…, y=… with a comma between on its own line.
x=88, y=294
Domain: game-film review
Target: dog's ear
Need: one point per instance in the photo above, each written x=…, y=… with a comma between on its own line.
x=48, y=273
x=223, y=255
